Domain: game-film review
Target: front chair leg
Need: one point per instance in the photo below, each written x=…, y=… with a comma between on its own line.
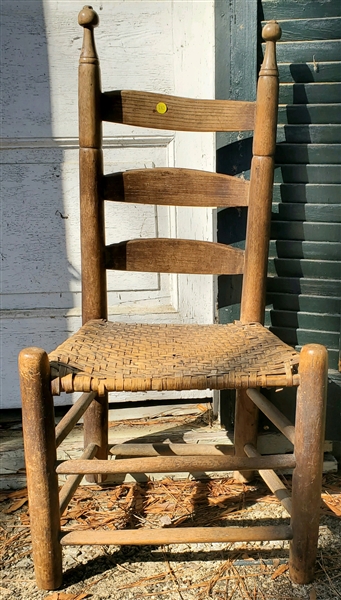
x=307, y=477
x=40, y=458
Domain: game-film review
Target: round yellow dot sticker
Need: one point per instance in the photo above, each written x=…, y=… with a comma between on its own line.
x=161, y=108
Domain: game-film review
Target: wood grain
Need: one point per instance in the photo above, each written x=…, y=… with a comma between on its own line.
x=182, y=114
x=176, y=464
x=307, y=477
x=163, y=255
x=40, y=459
x=177, y=187
x=177, y=535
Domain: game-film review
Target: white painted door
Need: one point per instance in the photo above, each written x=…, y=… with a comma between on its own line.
x=158, y=45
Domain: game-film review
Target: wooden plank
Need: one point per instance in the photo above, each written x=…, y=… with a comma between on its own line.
x=308, y=153
x=292, y=211
x=294, y=30
x=309, y=93
x=161, y=111
x=175, y=464
x=298, y=9
x=310, y=134
x=309, y=113
x=303, y=173
x=324, y=50
x=318, y=72
x=304, y=303
x=303, y=320
x=163, y=255
x=315, y=269
x=304, y=249
x=176, y=535
x=309, y=193
x=293, y=285
x=301, y=230
x=180, y=187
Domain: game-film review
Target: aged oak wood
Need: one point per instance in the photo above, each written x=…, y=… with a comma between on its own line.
x=163, y=255
x=176, y=464
x=177, y=187
x=306, y=484
x=258, y=223
x=37, y=380
x=145, y=449
x=40, y=459
x=161, y=111
x=183, y=535
x=94, y=297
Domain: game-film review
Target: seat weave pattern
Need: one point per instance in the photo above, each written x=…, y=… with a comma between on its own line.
x=137, y=357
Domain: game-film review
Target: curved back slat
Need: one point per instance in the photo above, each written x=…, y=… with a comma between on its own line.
x=163, y=255
x=176, y=187
x=160, y=111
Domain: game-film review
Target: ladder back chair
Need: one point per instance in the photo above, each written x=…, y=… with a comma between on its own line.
x=106, y=356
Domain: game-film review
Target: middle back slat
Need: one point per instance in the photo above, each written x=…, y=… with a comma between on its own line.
x=176, y=187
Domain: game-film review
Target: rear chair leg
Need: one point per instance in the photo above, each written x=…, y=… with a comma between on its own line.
x=40, y=457
x=307, y=477
x=245, y=430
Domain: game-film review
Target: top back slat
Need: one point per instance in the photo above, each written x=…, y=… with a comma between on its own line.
x=161, y=111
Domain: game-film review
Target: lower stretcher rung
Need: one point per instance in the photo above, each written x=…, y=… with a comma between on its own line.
x=181, y=535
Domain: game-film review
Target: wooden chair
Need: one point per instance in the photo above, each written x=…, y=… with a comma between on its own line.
x=242, y=355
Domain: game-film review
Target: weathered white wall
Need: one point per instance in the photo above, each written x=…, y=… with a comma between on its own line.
x=157, y=45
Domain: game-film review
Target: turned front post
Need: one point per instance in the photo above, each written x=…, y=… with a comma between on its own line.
x=40, y=459
x=94, y=289
x=258, y=224
x=307, y=476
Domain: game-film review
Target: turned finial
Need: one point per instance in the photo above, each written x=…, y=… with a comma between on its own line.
x=271, y=32
x=88, y=17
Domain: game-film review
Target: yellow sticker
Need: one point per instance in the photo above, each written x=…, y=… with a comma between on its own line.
x=161, y=108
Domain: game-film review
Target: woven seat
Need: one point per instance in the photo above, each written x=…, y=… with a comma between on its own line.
x=104, y=356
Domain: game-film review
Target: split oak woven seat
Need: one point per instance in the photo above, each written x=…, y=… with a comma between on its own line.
x=114, y=357
x=104, y=356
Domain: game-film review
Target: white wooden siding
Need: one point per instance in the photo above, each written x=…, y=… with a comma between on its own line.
x=157, y=45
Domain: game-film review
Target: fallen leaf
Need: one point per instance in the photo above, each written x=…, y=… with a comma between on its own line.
x=281, y=569
x=312, y=594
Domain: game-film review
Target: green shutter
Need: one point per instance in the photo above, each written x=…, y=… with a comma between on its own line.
x=304, y=287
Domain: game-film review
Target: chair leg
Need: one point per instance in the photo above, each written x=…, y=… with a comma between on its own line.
x=245, y=429
x=40, y=457
x=96, y=431
x=307, y=477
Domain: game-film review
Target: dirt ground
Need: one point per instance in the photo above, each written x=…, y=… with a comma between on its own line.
x=257, y=571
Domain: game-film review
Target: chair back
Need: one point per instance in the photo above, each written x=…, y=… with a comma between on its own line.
x=174, y=186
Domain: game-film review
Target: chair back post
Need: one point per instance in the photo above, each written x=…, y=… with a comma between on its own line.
x=261, y=181
x=94, y=302
x=94, y=287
